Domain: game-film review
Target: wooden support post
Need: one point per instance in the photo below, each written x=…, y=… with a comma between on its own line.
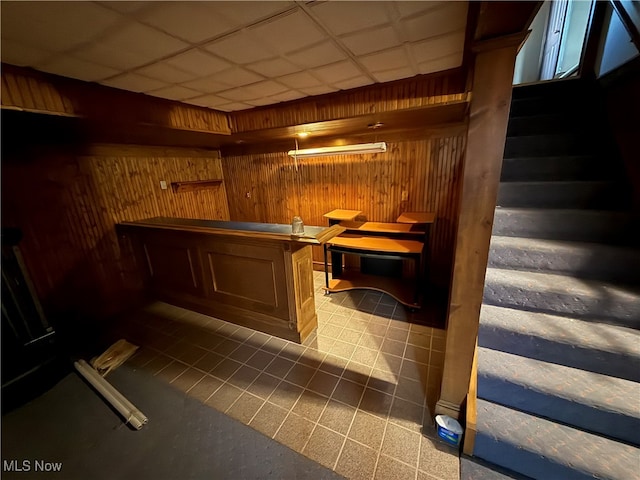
x=489, y=114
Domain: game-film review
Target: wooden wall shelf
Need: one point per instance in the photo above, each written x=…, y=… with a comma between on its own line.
x=190, y=186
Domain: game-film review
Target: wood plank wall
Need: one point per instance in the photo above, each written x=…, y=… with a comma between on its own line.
x=419, y=91
x=272, y=188
x=67, y=200
x=33, y=91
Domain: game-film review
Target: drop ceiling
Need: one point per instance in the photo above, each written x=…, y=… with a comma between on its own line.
x=234, y=55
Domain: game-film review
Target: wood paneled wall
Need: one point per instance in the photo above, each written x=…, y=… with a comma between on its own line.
x=273, y=188
x=33, y=91
x=419, y=91
x=66, y=201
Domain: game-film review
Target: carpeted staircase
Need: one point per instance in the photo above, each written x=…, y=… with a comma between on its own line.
x=559, y=338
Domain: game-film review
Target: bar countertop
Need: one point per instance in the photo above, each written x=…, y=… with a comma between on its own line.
x=279, y=231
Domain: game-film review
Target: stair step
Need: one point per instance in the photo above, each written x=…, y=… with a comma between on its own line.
x=548, y=144
x=544, y=449
x=565, y=122
x=590, y=401
x=580, y=259
x=475, y=469
x=563, y=295
x=596, y=226
x=566, y=194
x=596, y=347
x=562, y=89
x=553, y=168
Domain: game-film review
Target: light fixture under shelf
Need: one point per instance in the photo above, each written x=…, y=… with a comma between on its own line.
x=378, y=147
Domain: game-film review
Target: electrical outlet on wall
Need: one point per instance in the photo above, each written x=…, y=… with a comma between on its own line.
x=163, y=185
x=405, y=196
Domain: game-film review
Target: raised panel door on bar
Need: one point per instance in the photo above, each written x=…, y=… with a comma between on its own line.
x=247, y=275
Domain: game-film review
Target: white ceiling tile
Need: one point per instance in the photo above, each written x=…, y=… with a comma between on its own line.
x=268, y=88
x=248, y=12
x=79, y=69
x=165, y=73
x=58, y=25
x=287, y=96
x=321, y=54
x=175, y=92
x=394, y=74
x=240, y=94
x=198, y=62
x=143, y=40
x=337, y=71
x=412, y=7
x=387, y=60
x=259, y=102
x=318, y=90
x=275, y=67
x=240, y=48
x=442, y=63
x=207, y=101
x=300, y=80
x=449, y=18
x=230, y=107
x=368, y=42
x=438, y=47
x=190, y=21
x=356, y=82
x=290, y=32
x=134, y=83
x=208, y=84
x=17, y=53
x=111, y=57
x=345, y=17
x=237, y=77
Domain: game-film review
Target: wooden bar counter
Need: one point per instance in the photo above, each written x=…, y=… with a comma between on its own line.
x=253, y=274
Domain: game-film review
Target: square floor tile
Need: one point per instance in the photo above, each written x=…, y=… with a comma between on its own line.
x=410, y=390
x=285, y=395
x=337, y=416
x=348, y=392
x=225, y=369
x=384, y=382
x=438, y=459
x=323, y=383
x=209, y=361
x=244, y=377
x=264, y=385
x=260, y=359
x=367, y=429
x=172, y=371
x=375, y=402
x=356, y=461
x=187, y=379
x=295, y=432
x=205, y=387
x=401, y=444
x=390, y=469
x=157, y=363
x=245, y=407
x=268, y=419
x=243, y=353
x=310, y=405
x=357, y=372
x=324, y=446
x=279, y=367
x=300, y=375
x=224, y=397
x=407, y=414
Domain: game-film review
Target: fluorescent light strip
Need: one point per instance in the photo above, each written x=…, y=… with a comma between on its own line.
x=339, y=150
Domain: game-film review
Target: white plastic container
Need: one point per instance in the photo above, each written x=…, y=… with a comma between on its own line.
x=449, y=429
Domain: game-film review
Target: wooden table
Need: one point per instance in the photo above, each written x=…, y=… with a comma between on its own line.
x=376, y=247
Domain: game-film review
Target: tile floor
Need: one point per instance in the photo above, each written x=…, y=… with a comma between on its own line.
x=355, y=397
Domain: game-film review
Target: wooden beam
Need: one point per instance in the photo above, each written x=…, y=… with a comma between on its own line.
x=492, y=86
